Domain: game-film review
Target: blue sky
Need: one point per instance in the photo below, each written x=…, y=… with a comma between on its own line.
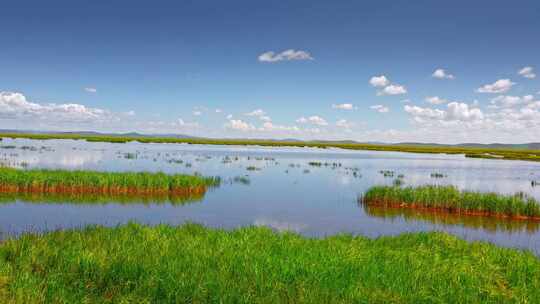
x=166, y=66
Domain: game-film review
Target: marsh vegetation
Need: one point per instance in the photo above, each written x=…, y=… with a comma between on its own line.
x=193, y=264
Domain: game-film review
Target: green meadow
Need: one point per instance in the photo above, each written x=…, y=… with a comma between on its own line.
x=193, y=264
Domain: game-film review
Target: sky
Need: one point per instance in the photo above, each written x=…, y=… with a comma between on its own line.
x=386, y=71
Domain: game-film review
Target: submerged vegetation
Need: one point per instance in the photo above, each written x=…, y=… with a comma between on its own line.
x=490, y=153
x=193, y=264
x=106, y=183
x=450, y=199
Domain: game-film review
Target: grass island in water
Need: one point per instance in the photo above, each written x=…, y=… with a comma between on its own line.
x=65, y=182
x=194, y=264
x=450, y=199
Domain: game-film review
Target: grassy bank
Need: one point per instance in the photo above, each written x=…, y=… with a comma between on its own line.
x=450, y=199
x=106, y=183
x=193, y=264
x=512, y=154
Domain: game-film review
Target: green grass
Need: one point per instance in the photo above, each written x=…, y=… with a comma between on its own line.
x=113, y=183
x=492, y=153
x=448, y=198
x=193, y=264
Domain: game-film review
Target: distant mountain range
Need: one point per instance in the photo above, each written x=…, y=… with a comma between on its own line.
x=531, y=146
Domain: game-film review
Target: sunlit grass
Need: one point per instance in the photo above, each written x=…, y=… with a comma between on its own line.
x=193, y=264
x=448, y=198
x=110, y=183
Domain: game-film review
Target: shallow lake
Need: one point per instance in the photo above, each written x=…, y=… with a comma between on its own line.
x=282, y=190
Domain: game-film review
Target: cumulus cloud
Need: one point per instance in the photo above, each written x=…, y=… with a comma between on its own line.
x=380, y=108
x=442, y=74
x=197, y=113
x=90, y=90
x=15, y=106
x=286, y=55
x=499, y=86
x=393, y=89
x=343, y=106
x=316, y=120
x=436, y=100
x=456, y=111
x=506, y=101
x=527, y=72
x=379, y=81
x=269, y=126
x=237, y=124
x=387, y=87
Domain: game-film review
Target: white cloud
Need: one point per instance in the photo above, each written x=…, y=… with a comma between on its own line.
x=302, y=120
x=343, y=106
x=380, y=108
x=393, y=89
x=197, y=113
x=256, y=113
x=130, y=113
x=237, y=124
x=379, y=81
x=229, y=117
x=506, y=101
x=218, y=110
x=456, y=111
x=286, y=55
x=499, y=86
x=90, y=90
x=316, y=120
x=15, y=106
x=269, y=126
x=527, y=72
x=265, y=118
x=436, y=100
x=442, y=74
x=421, y=113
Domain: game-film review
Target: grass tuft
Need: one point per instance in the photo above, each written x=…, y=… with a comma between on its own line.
x=106, y=183
x=450, y=199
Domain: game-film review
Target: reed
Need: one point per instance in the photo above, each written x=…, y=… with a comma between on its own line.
x=450, y=199
x=106, y=183
x=194, y=264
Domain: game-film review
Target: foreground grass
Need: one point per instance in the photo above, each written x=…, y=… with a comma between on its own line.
x=93, y=182
x=450, y=199
x=511, y=154
x=193, y=264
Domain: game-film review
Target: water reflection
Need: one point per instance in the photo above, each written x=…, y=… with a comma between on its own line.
x=101, y=198
x=489, y=224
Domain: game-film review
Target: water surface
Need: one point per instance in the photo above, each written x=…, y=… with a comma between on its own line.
x=282, y=191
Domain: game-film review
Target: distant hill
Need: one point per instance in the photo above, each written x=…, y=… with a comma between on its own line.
x=530, y=146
